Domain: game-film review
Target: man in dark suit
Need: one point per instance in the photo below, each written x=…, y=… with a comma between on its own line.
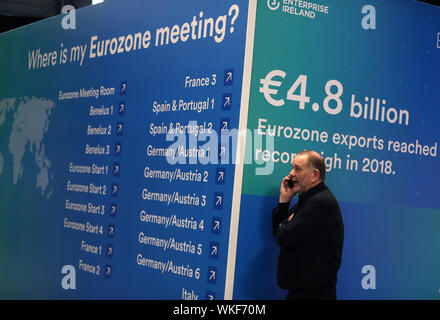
x=310, y=234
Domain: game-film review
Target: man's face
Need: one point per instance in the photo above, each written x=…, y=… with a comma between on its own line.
x=303, y=176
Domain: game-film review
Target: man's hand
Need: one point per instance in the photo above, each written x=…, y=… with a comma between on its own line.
x=286, y=193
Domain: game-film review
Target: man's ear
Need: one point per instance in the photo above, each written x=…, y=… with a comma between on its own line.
x=317, y=174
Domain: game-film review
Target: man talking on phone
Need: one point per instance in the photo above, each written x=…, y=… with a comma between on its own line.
x=310, y=234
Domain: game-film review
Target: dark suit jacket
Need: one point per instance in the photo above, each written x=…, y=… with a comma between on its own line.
x=311, y=243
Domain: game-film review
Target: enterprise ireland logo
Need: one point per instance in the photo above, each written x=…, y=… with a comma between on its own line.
x=273, y=4
x=303, y=8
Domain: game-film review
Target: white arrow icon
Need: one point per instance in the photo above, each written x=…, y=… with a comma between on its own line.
x=220, y=176
x=266, y=82
x=214, y=251
x=219, y=200
x=227, y=101
x=229, y=77
x=212, y=275
x=217, y=225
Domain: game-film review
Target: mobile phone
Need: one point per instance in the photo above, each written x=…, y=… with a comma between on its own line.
x=290, y=183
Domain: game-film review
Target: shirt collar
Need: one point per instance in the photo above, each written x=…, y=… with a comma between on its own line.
x=306, y=195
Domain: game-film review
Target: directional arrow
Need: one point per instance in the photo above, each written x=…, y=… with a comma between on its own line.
x=121, y=108
x=117, y=149
x=218, y=203
x=212, y=274
x=123, y=88
x=216, y=222
x=109, y=250
x=214, y=249
x=226, y=101
x=229, y=76
x=211, y=295
x=119, y=132
x=108, y=271
x=220, y=174
x=114, y=189
x=111, y=230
